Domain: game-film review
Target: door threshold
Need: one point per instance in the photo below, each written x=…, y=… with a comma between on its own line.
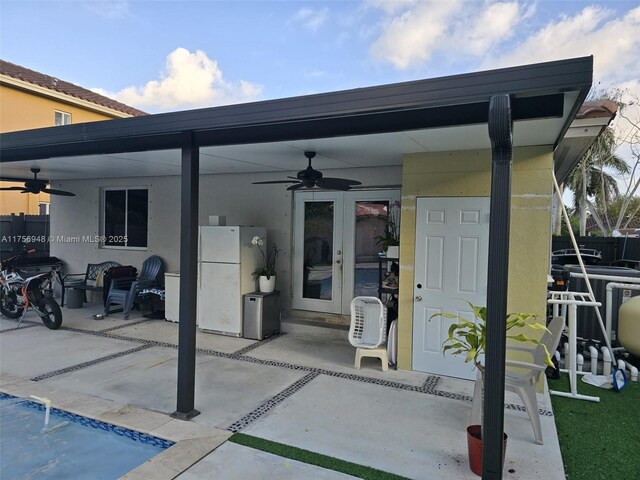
x=317, y=319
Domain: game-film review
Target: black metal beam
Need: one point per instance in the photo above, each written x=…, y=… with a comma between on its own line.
x=500, y=133
x=363, y=123
x=189, y=198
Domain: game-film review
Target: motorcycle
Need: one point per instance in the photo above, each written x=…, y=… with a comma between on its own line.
x=18, y=294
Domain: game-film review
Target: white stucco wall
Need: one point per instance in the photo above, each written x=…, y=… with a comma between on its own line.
x=231, y=195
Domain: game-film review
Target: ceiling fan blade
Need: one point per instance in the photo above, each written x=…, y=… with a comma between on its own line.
x=12, y=188
x=275, y=181
x=342, y=180
x=53, y=191
x=296, y=186
x=336, y=183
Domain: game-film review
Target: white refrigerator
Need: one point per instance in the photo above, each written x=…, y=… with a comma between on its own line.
x=226, y=262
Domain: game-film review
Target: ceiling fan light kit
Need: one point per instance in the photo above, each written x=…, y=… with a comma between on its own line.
x=35, y=185
x=310, y=178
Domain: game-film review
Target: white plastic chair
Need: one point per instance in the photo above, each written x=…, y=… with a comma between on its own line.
x=368, y=330
x=523, y=381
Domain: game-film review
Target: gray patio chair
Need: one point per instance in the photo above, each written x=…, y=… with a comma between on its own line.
x=522, y=377
x=126, y=291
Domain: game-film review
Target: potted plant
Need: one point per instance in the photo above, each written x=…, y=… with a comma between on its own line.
x=469, y=339
x=267, y=273
x=391, y=235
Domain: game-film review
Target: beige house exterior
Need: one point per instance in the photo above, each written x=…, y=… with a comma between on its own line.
x=30, y=99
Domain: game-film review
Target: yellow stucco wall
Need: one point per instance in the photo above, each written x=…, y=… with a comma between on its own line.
x=468, y=173
x=23, y=110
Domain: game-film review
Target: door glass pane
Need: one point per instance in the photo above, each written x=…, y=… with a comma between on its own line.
x=371, y=218
x=318, y=250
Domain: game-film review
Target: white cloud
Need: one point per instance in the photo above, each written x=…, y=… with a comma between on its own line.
x=309, y=18
x=190, y=80
x=412, y=36
x=415, y=31
x=614, y=43
x=493, y=25
x=111, y=9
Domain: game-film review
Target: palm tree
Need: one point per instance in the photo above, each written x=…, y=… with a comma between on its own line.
x=591, y=180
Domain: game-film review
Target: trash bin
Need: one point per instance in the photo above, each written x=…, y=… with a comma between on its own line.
x=261, y=316
x=74, y=298
x=588, y=326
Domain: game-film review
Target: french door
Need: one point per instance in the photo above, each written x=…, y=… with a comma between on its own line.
x=335, y=247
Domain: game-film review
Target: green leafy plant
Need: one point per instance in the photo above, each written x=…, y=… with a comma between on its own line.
x=470, y=339
x=391, y=235
x=269, y=259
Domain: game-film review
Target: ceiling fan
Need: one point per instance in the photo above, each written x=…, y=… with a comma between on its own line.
x=309, y=178
x=35, y=185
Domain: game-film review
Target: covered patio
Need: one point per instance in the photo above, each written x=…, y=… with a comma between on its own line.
x=298, y=389
x=449, y=137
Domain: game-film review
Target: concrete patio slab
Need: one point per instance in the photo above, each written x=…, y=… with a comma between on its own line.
x=232, y=462
x=411, y=434
x=226, y=390
x=167, y=332
x=299, y=389
x=329, y=349
x=82, y=318
x=37, y=350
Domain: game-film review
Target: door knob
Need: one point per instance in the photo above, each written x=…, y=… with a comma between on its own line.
x=418, y=298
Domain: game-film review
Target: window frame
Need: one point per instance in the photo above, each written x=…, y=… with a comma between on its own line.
x=103, y=214
x=65, y=115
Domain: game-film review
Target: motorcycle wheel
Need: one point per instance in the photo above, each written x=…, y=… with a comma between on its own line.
x=10, y=309
x=50, y=314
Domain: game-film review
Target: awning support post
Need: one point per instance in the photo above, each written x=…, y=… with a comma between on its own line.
x=189, y=198
x=500, y=133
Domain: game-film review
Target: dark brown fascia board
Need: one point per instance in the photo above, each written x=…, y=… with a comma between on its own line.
x=268, y=118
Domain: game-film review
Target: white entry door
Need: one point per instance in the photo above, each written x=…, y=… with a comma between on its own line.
x=452, y=239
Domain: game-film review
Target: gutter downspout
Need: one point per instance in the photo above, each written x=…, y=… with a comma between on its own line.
x=500, y=134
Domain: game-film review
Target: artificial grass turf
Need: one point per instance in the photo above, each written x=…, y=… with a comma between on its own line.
x=598, y=440
x=312, y=458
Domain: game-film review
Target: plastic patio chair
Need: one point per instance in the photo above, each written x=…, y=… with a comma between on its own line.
x=125, y=291
x=522, y=377
x=368, y=329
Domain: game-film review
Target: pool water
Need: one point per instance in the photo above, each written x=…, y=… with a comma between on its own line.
x=72, y=446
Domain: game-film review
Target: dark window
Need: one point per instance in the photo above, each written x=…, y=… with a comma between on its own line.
x=125, y=217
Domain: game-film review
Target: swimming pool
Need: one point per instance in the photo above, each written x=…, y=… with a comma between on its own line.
x=81, y=448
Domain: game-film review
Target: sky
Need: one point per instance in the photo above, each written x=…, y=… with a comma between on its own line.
x=174, y=55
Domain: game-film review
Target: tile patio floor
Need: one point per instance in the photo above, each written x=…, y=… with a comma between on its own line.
x=298, y=388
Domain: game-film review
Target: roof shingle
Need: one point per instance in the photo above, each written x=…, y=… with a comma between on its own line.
x=67, y=88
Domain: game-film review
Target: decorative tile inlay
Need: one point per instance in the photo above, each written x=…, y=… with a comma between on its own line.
x=257, y=344
x=429, y=386
x=97, y=424
x=22, y=326
x=80, y=366
x=129, y=324
x=271, y=403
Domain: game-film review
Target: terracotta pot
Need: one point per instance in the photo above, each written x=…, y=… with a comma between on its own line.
x=267, y=285
x=474, y=446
